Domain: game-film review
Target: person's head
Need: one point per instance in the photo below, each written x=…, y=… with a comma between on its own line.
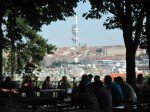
x=64, y=79
x=8, y=79
x=96, y=78
x=48, y=79
x=84, y=78
x=107, y=79
x=90, y=76
x=139, y=77
x=118, y=79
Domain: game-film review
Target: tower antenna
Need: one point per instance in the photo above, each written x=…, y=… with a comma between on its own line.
x=75, y=38
x=75, y=32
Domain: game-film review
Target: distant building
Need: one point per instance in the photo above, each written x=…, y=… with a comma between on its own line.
x=106, y=62
x=114, y=50
x=99, y=55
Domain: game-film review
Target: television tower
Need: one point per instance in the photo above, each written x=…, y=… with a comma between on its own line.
x=75, y=32
x=75, y=38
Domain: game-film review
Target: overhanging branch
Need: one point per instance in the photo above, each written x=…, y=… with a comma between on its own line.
x=138, y=28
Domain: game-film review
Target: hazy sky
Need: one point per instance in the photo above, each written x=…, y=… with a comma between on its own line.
x=91, y=31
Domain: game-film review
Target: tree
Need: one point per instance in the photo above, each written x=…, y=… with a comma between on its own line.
x=39, y=47
x=145, y=38
x=35, y=12
x=17, y=32
x=35, y=48
x=126, y=16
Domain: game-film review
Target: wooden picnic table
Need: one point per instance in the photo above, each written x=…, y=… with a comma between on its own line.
x=53, y=91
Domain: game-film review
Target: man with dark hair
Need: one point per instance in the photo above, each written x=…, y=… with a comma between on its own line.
x=86, y=99
x=129, y=94
x=47, y=84
x=84, y=79
x=96, y=80
x=139, y=82
x=145, y=91
x=117, y=95
x=103, y=95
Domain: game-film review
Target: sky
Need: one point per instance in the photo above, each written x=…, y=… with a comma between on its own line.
x=91, y=31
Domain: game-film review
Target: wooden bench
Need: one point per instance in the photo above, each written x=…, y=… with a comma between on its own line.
x=62, y=106
x=137, y=106
x=37, y=101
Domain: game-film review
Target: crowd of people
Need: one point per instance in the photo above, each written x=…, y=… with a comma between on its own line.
x=91, y=92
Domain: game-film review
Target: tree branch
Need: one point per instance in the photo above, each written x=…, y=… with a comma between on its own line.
x=120, y=11
x=138, y=28
x=107, y=8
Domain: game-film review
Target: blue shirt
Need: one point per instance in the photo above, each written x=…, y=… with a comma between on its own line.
x=116, y=91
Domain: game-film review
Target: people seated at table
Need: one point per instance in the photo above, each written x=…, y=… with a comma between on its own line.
x=103, y=95
x=28, y=87
x=116, y=91
x=139, y=82
x=144, y=92
x=96, y=80
x=74, y=87
x=84, y=80
x=7, y=88
x=86, y=99
x=47, y=84
x=65, y=84
x=129, y=95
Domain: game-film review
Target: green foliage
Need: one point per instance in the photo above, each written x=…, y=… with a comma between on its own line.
x=39, y=46
x=99, y=50
x=128, y=17
x=23, y=19
x=27, y=45
x=57, y=64
x=117, y=10
x=39, y=12
x=74, y=63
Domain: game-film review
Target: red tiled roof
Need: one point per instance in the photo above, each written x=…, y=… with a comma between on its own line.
x=113, y=75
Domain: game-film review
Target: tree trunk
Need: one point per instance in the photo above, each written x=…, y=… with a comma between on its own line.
x=1, y=46
x=147, y=8
x=130, y=57
x=130, y=66
x=11, y=36
x=1, y=52
x=13, y=59
x=148, y=51
x=131, y=41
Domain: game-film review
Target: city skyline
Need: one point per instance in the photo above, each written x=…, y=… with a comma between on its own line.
x=91, y=31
